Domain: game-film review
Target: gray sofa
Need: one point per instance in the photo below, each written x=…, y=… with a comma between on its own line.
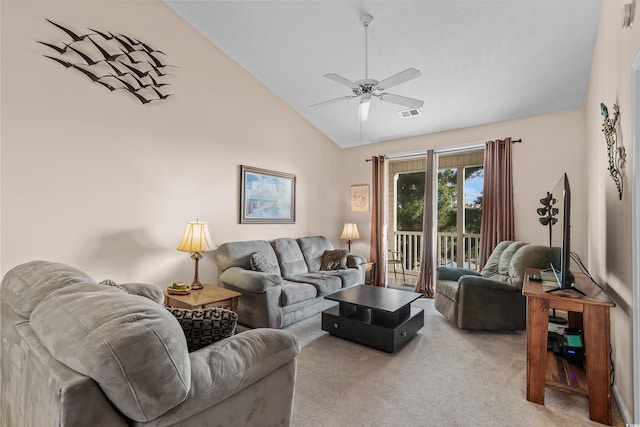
x=293, y=288
x=491, y=299
x=78, y=353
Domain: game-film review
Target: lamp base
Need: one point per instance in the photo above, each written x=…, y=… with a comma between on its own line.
x=196, y=285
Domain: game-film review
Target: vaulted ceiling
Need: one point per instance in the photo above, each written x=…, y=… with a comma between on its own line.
x=482, y=61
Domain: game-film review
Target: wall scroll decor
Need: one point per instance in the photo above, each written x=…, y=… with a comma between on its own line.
x=360, y=198
x=616, y=155
x=267, y=197
x=115, y=61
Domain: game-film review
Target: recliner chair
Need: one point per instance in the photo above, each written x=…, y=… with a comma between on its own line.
x=491, y=299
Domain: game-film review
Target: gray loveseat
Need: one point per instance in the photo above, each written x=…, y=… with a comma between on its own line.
x=78, y=353
x=293, y=286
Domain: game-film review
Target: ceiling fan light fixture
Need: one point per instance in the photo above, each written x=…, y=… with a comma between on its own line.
x=363, y=108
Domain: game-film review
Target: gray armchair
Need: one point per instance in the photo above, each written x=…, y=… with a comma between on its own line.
x=491, y=299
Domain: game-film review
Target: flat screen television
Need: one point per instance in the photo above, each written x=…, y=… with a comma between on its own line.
x=561, y=236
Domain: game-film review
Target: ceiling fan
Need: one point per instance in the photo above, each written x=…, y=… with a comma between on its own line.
x=368, y=88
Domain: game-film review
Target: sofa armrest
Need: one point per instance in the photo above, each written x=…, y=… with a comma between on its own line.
x=248, y=280
x=480, y=284
x=453, y=274
x=152, y=292
x=355, y=260
x=485, y=304
x=226, y=367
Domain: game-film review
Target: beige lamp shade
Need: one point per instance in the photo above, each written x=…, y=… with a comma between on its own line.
x=196, y=238
x=350, y=232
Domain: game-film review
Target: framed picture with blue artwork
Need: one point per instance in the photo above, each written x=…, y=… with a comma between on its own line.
x=267, y=197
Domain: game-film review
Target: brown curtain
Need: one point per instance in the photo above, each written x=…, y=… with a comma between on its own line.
x=378, y=226
x=425, y=279
x=497, y=198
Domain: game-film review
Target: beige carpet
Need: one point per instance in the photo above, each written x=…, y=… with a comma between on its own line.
x=443, y=377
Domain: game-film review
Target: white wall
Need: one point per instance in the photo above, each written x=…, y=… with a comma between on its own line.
x=609, y=219
x=101, y=182
x=551, y=144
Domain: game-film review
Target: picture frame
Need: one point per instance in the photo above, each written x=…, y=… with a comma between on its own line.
x=359, y=198
x=266, y=196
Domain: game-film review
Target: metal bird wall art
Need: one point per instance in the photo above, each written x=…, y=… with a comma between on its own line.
x=113, y=60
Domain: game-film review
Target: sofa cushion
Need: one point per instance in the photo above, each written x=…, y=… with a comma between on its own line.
x=334, y=259
x=500, y=258
x=238, y=254
x=349, y=276
x=259, y=262
x=294, y=292
x=204, y=326
x=290, y=257
x=324, y=283
x=100, y=332
x=313, y=248
x=25, y=285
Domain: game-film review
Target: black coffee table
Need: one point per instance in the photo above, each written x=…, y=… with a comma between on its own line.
x=377, y=317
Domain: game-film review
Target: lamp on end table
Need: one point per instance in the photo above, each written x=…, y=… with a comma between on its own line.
x=350, y=233
x=196, y=240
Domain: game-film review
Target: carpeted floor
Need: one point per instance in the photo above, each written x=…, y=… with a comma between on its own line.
x=443, y=377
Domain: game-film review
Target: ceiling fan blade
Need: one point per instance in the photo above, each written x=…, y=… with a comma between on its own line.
x=331, y=101
x=401, y=100
x=401, y=77
x=343, y=81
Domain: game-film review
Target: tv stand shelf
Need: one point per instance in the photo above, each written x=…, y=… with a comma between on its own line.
x=589, y=313
x=565, y=376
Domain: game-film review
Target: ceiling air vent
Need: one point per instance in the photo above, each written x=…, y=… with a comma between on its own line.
x=411, y=112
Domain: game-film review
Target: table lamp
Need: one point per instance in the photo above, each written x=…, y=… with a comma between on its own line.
x=196, y=240
x=350, y=233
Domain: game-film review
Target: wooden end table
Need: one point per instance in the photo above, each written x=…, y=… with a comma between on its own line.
x=208, y=297
x=370, y=267
x=589, y=313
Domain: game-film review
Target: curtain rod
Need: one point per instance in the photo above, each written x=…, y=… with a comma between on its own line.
x=422, y=153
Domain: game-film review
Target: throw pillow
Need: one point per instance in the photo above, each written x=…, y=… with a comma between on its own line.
x=204, y=326
x=109, y=282
x=259, y=262
x=335, y=259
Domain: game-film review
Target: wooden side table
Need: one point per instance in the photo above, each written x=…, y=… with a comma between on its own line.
x=370, y=267
x=589, y=313
x=208, y=297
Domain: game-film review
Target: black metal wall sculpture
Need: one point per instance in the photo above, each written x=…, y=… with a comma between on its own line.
x=548, y=213
x=615, y=154
x=115, y=61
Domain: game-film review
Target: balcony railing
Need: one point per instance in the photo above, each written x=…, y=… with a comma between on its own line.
x=410, y=242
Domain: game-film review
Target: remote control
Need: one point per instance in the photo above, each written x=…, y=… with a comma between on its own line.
x=535, y=277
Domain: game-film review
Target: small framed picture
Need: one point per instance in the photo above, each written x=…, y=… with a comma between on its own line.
x=267, y=197
x=360, y=198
